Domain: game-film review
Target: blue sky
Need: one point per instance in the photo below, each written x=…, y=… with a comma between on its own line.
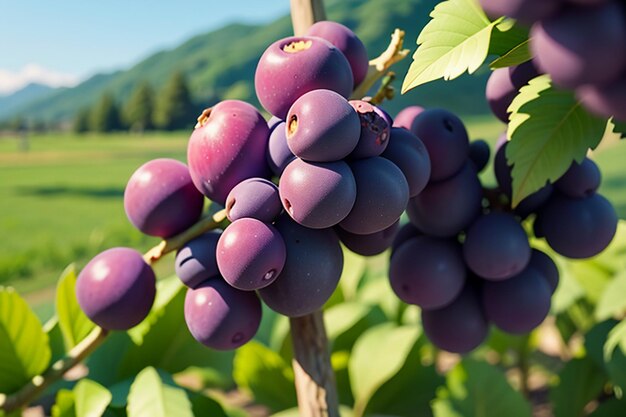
x=64, y=41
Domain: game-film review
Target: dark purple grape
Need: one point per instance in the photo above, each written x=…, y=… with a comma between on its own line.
x=222, y=317
x=278, y=153
x=521, y=74
x=606, y=100
x=446, y=208
x=318, y=194
x=479, y=153
x=116, y=289
x=311, y=273
x=460, y=326
x=347, y=42
x=294, y=66
x=196, y=262
x=226, y=148
x=406, y=116
x=519, y=304
x=445, y=138
x=368, y=245
x=322, y=126
x=428, y=272
x=496, y=247
x=500, y=93
x=526, y=11
x=537, y=228
x=255, y=197
x=581, y=45
x=534, y=202
x=409, y=154
x=273, y=122
x=580, y=180
x=160, y=198
x=578, y=227
x=543, y=264
x=406, y=232
x=381, y=196
x=374, y=130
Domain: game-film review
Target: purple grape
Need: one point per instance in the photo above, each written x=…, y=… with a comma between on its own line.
x=368, y=245
x=311, y=273
x=521, y=74
x=446, y=140
x=581, y=45
x=406, y=116
x=406, y=232
x=526, y=11
x=458, y=327
x=446, y=208
x=409, y=154
x=278, y=153
x=500, y=93
x=479, y=153
x=228, y=147
x=496, y=247
x=428, y=272
x=374, y=130
x=347, y=42
x=160, y=198
x=257, y=198
x=606, y=100
x=322, y=126
x=381, y=196
x=116, y=289
x=578, y=227
x=195, y=262
x=294, y=66
x=318, y=194
x=543, y=264
x=222, y=317
x=273, y=122
x=580, y=180
x=519, y=304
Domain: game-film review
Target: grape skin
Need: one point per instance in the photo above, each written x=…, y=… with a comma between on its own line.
x=580, y=180
x=257, y=198
x=543, y=264
x=479, y=153
x=195, y=261
x=368, y=245
x=409, y=154
x=375, y=130
x=526, y=11
x=278, y=153
x=406, y=116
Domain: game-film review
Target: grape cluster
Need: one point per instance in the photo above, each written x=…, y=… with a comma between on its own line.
x=579, y=43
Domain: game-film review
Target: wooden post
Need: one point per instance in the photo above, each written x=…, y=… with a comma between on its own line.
x=304, y=13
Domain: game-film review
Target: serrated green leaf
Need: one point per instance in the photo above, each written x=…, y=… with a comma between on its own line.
x=518, y=55
x=64, y=406
x=24, y=347
x=456, y=40
x=91, y=399
x=73, y=322
x=580, y=381
x=149, y=396
x=506, y=36
x=549, y=128
x=612, y=301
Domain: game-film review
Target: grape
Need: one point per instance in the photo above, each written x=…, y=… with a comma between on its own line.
x=479, y=154
x=311, y=273
x=273, y=122
x=606, y=100
x=255, y=197
x=406, y=116
x=458, y=327
x=294, y=66
x=220, y=316
x=578, y=227
x=409, y=154
x=322, y=127
x=496, y=247
x=381, y=196
x=500, y=92
x=580, y=180
x=428, y=272
x=116, y=289
x=160, y=198
x=521, y=74
x=374, y=130
x=518, y=304
x=368, y=245
x=347, y=42
x=445, y=139
x=278, y=153
x=195, y=262
x=526, y=11
x=318, y=194
x=445, y=208
x=543, y=264
x=406, y=232
x=581, y=45
x=228, y=147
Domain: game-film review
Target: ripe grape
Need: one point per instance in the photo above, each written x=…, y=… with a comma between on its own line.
x=195, y=262
x=368, y=245
x=273, y=122
x=116, y=289
x=605, y=100
x=255, y=197
x=278, y=153
x=406, y=232
x=409, y=154
x=526, y=11
x=580, y=180
x=521, y=74
x=375, y=130
x=479, y=153
x=160, y=198
x=543, y=264
x=500, y=92
x=406, y=116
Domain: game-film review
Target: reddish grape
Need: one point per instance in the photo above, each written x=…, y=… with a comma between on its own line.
x=255, y=197
x=605, y=100
x=500, y=93
x=375, y=132
x=526, y=11
x=406, y=116
x=278, y=153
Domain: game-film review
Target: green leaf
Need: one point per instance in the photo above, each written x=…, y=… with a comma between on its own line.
x=24, y=348
x=478, y=389
x=347, y=321
x=91, y=399
x=548, y=129
x=518, y=55
x=206, y=406
x=64, y=406
x=55, y=338
x=149, y=396
x=612, y=302
x=73, y=322
x=580, y=381
x=456, y=40
x=610, y=408
x=614, y=354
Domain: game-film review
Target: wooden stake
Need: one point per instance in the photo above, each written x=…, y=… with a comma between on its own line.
x=304, y=13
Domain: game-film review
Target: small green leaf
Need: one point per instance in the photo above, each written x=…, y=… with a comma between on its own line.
x=612, y=302
x=24, y=347
x=548, y=128
x=506, y=37
x=64, y=406
x=206, y=406
x=91, y=398
x=580, y=381
x=456, y=40
x=73, y=322
x=619, y=127
x=518, y=55
x=149, y=396
x=615, y=355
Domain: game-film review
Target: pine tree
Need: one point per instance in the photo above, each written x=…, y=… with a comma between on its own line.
x=138, y=112
x=174, y=108
x=81, y=121
x=105, y=116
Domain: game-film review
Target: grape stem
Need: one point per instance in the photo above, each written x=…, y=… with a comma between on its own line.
x=385, y=91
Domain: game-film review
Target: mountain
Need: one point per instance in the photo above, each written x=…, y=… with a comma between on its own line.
x=14, y=101
x=220, y=64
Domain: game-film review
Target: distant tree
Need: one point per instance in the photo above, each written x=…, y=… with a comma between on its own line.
x=105, y=116
x=174, y=107
x=139, y=110
x=81, y=121
x=17, y=124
